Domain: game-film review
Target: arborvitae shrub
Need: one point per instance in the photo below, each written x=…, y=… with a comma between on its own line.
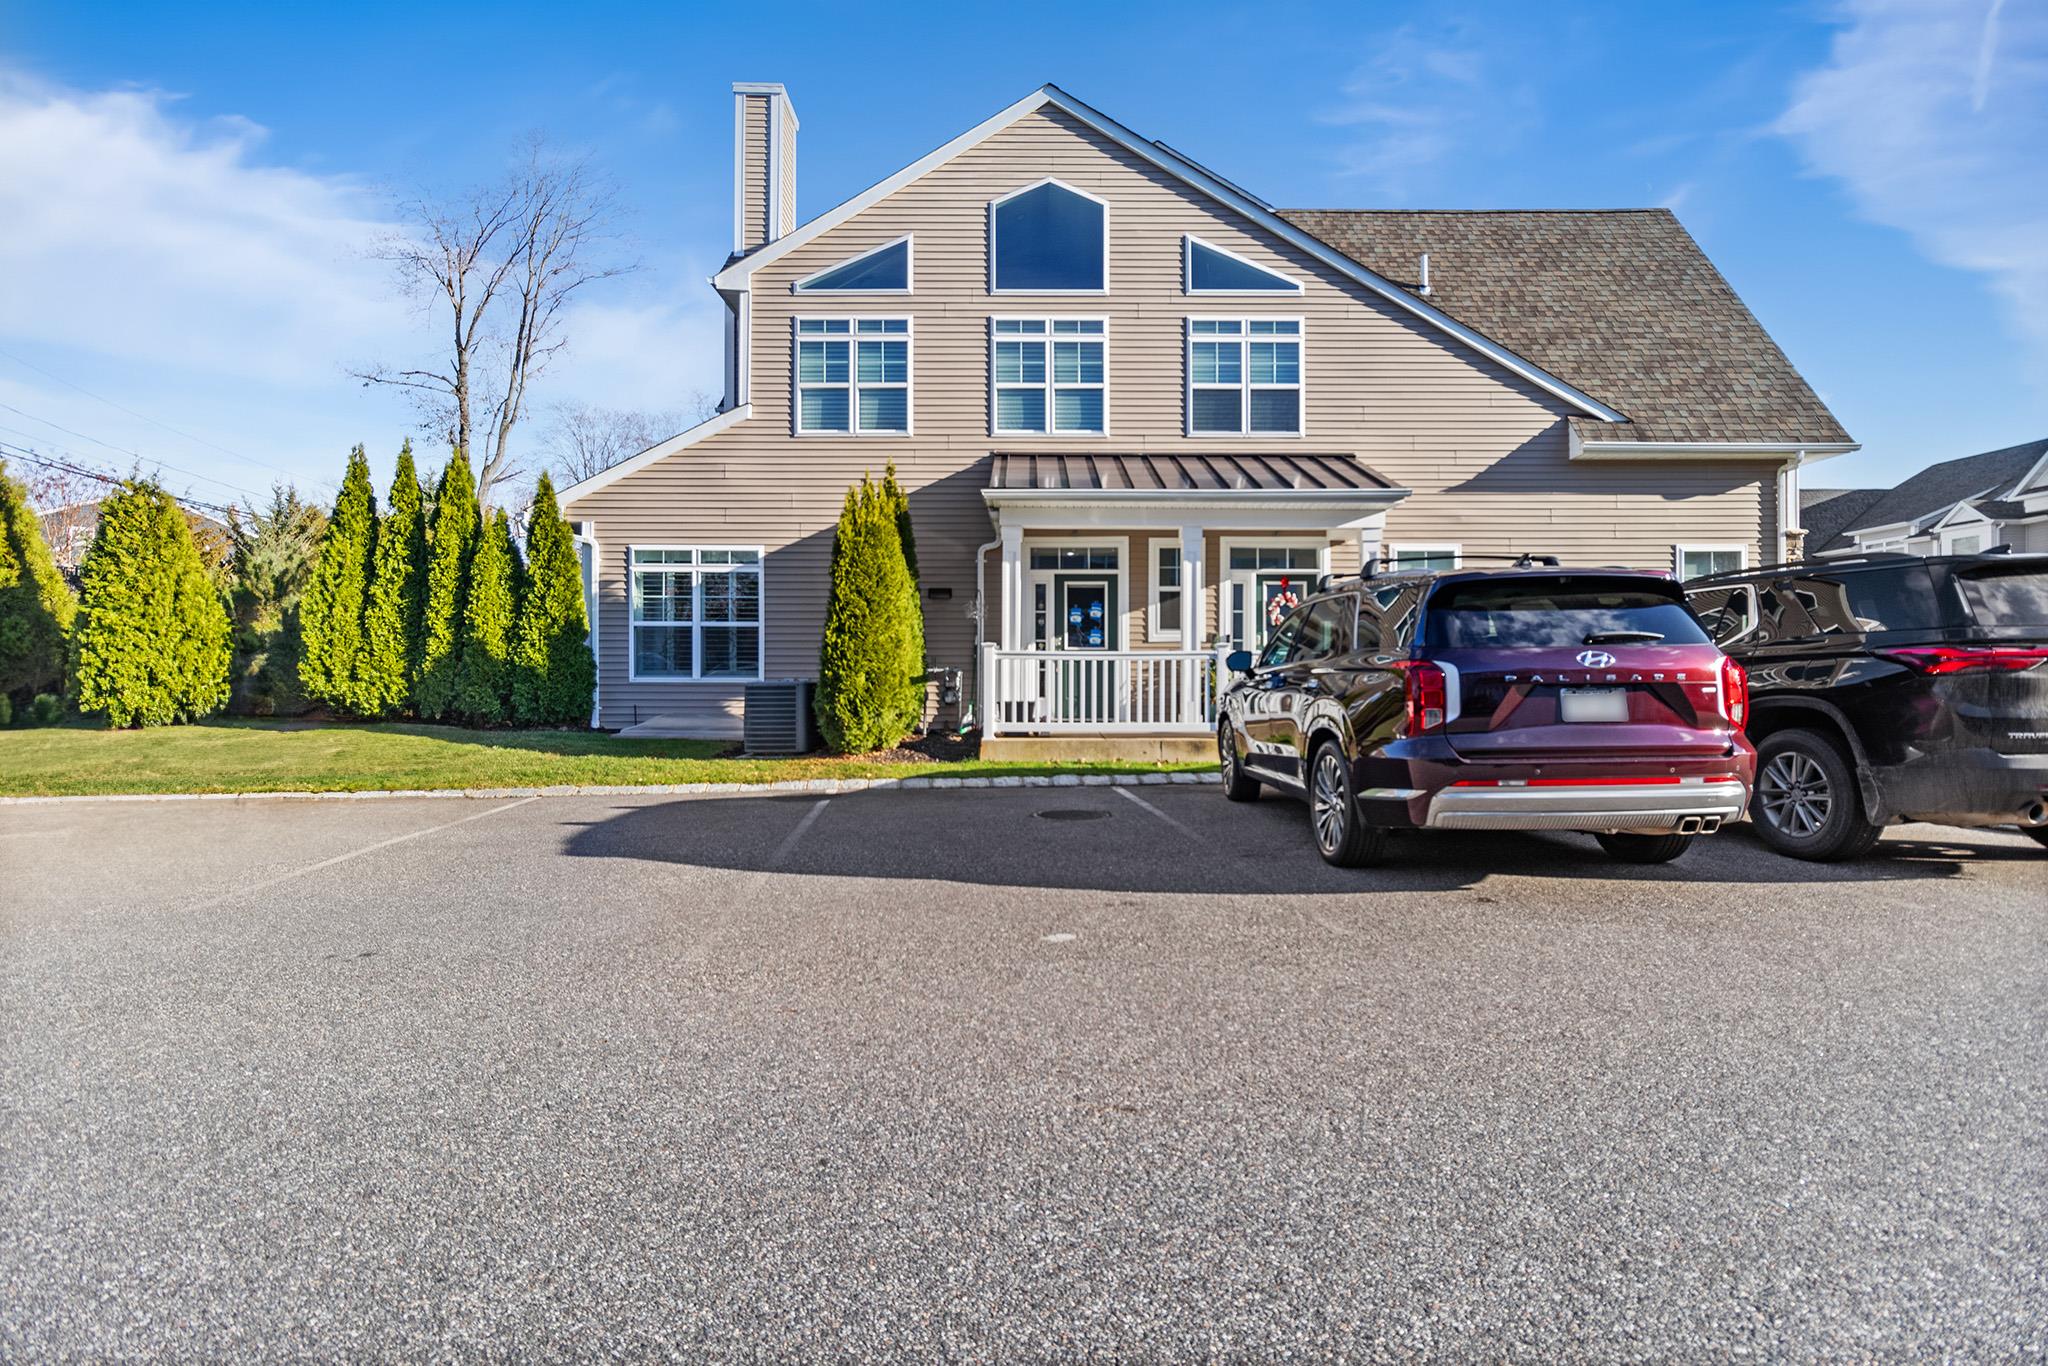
x=451, y=543
x=151, y=645
x=864, y=697
x=392, y=621
x=331, y=652
x=47, y=709
x=554, y=678
x=483, y=688
x=897, y=504
x=36, y=606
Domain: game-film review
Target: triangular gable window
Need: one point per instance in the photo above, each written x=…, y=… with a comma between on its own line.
x=885, y=270
x=1212, y=270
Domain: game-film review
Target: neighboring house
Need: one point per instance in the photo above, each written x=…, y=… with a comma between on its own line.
x=1139, y=410
x=69, y=532
x=1958, y=507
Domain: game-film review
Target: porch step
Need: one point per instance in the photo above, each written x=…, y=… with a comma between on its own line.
x=1136, y=749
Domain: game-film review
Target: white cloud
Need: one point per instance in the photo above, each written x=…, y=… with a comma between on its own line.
x=1934, y=116
x=1419, y=99
x=162, y=262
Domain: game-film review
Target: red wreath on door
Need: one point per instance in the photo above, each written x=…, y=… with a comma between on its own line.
x=1280, y=604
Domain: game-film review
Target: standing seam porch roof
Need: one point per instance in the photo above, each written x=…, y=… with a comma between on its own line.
x=1184, y=472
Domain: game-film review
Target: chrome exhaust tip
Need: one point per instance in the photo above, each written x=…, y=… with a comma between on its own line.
x=2035, y=815
x=1709, y=824
x=1689, y=826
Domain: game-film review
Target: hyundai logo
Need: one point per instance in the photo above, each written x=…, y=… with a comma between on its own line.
x=1595, y=659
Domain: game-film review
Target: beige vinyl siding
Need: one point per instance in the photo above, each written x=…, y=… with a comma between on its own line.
x=754, y=182
x=1483, y=450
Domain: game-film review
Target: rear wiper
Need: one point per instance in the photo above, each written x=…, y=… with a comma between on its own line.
x=1621, y=638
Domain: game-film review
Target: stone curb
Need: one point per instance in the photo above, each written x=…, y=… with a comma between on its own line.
x=821, y=786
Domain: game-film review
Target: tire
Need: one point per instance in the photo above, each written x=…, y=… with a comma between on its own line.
x=1342, y=836
x=1625, y=848
x=1806, y=804
x=1238, y=785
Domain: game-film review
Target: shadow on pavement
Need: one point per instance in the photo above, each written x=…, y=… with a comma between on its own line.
x=1188, y=841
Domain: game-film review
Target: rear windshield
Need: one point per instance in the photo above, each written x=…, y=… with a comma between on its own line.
x=2012, y=597
x=1567, y=610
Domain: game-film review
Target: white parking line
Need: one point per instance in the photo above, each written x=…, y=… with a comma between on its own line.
x=1131, y=796
x=788, y=845
x=357, y=853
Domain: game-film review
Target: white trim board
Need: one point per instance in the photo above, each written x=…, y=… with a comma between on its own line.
x=737, y=274
x=710, y=426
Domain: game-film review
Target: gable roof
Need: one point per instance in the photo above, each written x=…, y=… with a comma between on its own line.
x=1622, y=303
x=1932, y=492
x=1826, y=513
x=736, y=272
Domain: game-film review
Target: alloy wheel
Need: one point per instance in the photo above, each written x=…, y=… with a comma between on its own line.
x=1330, y=803
x=1226, y=751
x=1796, y=795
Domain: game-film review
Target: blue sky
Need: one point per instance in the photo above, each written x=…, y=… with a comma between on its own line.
x=186, y=191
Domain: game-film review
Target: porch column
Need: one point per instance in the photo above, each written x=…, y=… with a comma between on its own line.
x=1371, y=537
x=1013, y=588
x=1193, y=617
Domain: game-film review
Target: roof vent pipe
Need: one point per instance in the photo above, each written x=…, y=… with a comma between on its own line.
x=1425, y=273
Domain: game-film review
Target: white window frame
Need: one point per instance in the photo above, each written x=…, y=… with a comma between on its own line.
x=1977, y=531
x=1001, y=200
x=1154, y=633
x=906, y=241
x=852, y=337
x=1245, y=386
x=1388, y=554
x=1231, y=582
x=1187, y=273
x=1679, y=552
x=1052, y=386
x=697, y=623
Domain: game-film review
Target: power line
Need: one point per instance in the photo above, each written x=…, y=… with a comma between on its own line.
x=122, y=450
x=144, y=417
x=99, y=476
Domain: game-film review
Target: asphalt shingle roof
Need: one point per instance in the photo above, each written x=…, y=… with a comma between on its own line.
x=1622, y=304
x=1937, y=488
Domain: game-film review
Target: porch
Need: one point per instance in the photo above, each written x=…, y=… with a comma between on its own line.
x=1126, y=580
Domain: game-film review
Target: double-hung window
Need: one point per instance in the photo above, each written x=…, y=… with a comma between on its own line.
x=1244, y=376
x=1049, y=375
x=853, y=375
x=696, y=613
x=1162, y=621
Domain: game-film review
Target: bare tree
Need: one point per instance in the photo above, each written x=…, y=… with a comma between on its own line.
x=580, y=440
x=497, y=266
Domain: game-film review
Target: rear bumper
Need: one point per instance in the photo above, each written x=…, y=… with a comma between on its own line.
x=1962, y=787
x=1691, y=805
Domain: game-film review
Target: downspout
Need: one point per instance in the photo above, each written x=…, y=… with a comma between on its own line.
x=1789, y=520
x=980, y=616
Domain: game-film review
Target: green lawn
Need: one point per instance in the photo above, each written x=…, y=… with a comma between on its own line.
x=284, y=756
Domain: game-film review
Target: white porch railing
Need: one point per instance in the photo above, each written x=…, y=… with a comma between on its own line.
x=1147, y=692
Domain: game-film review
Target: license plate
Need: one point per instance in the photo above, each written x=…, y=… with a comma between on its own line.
x=1592, y=704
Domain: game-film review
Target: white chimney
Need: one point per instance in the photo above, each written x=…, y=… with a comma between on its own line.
x=763, y=164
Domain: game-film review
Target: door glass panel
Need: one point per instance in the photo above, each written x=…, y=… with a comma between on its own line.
x=1085, y=616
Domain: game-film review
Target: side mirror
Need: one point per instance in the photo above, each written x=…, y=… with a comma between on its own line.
x=1238, y=661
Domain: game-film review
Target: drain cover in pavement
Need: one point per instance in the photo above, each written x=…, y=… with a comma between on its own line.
x=1071, y=813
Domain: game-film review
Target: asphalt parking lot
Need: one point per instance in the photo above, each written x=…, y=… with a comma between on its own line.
x=1005, y=1074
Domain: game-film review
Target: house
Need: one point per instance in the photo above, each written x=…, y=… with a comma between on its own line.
x=1955, y=508
x=1140, y=410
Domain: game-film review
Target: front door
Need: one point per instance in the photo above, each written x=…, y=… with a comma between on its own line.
x=1086, y=625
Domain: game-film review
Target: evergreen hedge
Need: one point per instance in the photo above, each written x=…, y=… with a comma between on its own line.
x=36, y=605
x=897, y=503
x=865, y=678
x=332, y=652
x=483, y=684
x=275, y=552
x=451, y=543
x=554, y=677
x=151, y=643
x=394, y=618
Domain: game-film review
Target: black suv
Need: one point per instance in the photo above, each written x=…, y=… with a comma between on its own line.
x=1533, y=698
x=1889, y=688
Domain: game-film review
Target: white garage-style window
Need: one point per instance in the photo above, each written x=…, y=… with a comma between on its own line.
x=853, y=376
x=696, y=613
x=1049, y=375
x=1439, y=557
x=1244, y=377
x=1691, y=561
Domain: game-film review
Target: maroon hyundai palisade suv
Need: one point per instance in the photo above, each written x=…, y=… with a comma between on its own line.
x=1530, y=698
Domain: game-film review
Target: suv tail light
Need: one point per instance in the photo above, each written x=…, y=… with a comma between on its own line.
x=1734, y=693
x=1423, y=683
x=1954, y=659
